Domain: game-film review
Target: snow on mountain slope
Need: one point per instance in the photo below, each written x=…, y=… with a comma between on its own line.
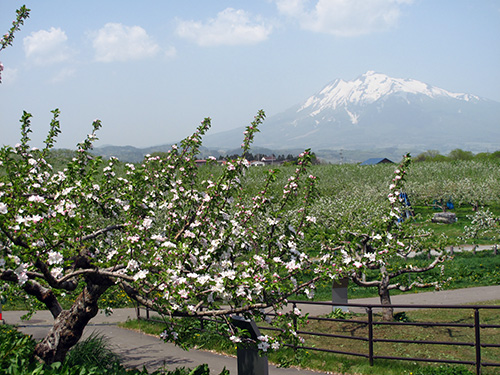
x=367, y=89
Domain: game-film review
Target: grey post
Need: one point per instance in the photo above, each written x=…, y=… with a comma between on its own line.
x=339, y=294
x=249, y=360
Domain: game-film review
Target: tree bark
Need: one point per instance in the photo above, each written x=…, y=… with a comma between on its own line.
x=69, y=324
x=385, y=297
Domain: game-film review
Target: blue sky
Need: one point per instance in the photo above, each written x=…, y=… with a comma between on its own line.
x=151, y=70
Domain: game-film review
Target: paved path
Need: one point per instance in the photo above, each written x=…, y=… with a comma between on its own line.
x=140, y=350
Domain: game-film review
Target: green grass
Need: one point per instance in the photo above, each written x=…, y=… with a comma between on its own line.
x=454, y=231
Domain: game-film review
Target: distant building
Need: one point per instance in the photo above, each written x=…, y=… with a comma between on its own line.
x=257, y=163
x=269, y=159
x=200, y=162
x=374, y=161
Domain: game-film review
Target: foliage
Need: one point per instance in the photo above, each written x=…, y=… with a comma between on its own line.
x=337, y=313
x=13, y=345
x=456, y=154
x=95, y=350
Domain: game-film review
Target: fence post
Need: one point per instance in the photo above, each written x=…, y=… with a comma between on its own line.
x=477, y=329
x=370, y=335
x=202, y=321
x=294, y=322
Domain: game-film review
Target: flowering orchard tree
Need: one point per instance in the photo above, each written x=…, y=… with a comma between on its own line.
x=173, y=242
x=380, y=242
x=482, y=224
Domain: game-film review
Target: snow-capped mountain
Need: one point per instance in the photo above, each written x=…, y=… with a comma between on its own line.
x=369, y=88
x=377, y=111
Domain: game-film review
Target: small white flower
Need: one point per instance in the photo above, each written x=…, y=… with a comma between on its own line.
x=57, y=272
x=3, y=208
x=112, y=253
x=141, y=275
x=36, y=199
x=235, y=339
x=147, y=223
x=55, y=258
x=132, y=265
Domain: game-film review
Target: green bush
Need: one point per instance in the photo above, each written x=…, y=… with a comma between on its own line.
x=96, y=351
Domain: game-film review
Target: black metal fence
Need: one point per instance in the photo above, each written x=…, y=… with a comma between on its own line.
x=371, y=355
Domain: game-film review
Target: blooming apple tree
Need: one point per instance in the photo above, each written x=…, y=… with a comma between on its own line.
x=176, y=243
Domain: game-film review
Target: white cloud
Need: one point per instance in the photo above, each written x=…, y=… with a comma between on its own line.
x=117, y=42
x=230, y=27
x=170, y=53
x=63, y=74
x=47, y=46
x=343, y=17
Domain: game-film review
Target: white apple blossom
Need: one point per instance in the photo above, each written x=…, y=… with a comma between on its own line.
x=132, y=265
x=57, y=272
x=141, y=275
x=55, y=258
x=36, y=199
